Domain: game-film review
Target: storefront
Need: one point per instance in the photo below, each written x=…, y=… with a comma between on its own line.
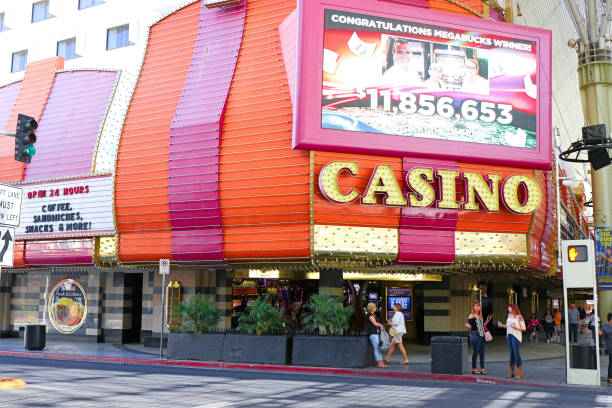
x=256, y=178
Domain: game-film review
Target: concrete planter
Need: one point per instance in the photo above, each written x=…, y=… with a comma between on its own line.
x=188, y=346
x=349, y=352
x=247, y=348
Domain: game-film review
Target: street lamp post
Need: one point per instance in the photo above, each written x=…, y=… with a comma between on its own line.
x=595, y=79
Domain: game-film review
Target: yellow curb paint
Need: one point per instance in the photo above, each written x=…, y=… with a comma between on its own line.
x=6, y=383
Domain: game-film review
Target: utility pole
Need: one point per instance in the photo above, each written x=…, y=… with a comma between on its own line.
x=595, y=78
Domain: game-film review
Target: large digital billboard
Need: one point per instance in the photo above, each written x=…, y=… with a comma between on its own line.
x=398, y=80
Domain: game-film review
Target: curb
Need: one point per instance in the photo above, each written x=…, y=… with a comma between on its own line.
x=289, y=369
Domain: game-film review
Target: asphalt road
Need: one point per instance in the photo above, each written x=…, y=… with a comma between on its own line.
x=53, y=383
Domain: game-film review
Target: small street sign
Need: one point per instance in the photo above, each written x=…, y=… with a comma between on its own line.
x=10, y=206
x=7, y=246
x=164, y=266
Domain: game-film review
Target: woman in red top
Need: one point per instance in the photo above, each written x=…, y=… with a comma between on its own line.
x=533, y=325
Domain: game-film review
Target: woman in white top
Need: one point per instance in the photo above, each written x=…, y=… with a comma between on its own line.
x=398, y=329
x=515, y=326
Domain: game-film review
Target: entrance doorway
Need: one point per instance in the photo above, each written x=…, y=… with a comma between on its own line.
x=133, y=290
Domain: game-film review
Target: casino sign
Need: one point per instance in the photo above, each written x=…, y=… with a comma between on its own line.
x=519, y=193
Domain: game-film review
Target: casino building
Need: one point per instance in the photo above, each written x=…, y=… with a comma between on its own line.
x=260, y=164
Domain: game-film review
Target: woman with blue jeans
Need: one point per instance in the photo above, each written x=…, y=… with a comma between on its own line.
x=477, y=334
x=515, y=326
x=374, y=326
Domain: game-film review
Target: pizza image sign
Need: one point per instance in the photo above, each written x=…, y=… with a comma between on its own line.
x=67, y=306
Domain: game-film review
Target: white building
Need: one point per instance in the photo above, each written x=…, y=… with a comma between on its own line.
x=87, y=33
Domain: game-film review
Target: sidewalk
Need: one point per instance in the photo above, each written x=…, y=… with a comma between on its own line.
x=543, y=363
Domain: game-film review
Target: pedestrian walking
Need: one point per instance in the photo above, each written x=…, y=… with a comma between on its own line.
x=533, y=325
x=397, y=331
x=374, y=327
x=606, y=331
x=549, y=323
x=582, y=317
x=573, y=319
x=477, y=334
x=593, y=323
x=558, y=317
x=515, y=326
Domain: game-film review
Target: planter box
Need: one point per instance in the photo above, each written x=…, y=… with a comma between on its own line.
x=349, y=352
x=248, y=348
x=188, y=346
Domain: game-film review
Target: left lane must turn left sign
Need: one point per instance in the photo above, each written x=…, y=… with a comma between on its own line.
x=7, y=246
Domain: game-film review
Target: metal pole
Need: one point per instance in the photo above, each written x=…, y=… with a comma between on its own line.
x=5, y=133
x=606, y=17
x=591, y=10
x=557, y=188
x=577, y=20
x=596, y=328
x=163, y=313
x=566, y=330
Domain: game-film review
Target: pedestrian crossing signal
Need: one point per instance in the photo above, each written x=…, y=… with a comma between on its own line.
x=577, y=253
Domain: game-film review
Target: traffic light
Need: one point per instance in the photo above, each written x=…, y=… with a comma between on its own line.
x=25, y=138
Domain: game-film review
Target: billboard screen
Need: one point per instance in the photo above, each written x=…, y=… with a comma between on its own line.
x=603, y=257
x=399, y=80
x=401, y=296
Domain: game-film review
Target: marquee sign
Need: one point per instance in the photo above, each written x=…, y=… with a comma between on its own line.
x=520, y=194
x=390, y=79
x=80, y=207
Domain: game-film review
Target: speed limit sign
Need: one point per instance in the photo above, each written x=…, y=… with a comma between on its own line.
x=164, y=266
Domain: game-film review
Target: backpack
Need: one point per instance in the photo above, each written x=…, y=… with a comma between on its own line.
x=384, y=341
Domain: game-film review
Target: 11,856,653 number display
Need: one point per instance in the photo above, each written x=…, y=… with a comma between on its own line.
x=444, y=106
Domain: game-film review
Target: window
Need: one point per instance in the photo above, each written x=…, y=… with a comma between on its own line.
x=83, y=4
x=2, y=26
x=40, y=11
x=20, y=59
x=118, y=37
x=67, y=48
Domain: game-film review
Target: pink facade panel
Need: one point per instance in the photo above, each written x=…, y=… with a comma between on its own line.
x=550, y=226
x=60, y=252
x=418, y=3
x=427, y=235
x=193, y=186
x=70, y=124
x=8, y=97
x=288, y=37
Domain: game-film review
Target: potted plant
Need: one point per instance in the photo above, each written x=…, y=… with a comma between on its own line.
x=195, y=339
x=327, y=314
x=329, y=344
x=261, y=337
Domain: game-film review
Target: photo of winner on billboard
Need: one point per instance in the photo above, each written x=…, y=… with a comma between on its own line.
x=395, y=77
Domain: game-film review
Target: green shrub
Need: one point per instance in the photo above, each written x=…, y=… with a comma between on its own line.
x=260, y=318
x=198, y=314
x=326, y=313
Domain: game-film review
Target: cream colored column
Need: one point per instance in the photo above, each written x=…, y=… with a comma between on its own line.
x=596, y=93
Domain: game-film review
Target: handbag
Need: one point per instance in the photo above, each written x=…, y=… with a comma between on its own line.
x=488, y=336
x=392, y=332
x=383, y=340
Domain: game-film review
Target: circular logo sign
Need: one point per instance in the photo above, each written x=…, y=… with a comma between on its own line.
x=67, y=306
